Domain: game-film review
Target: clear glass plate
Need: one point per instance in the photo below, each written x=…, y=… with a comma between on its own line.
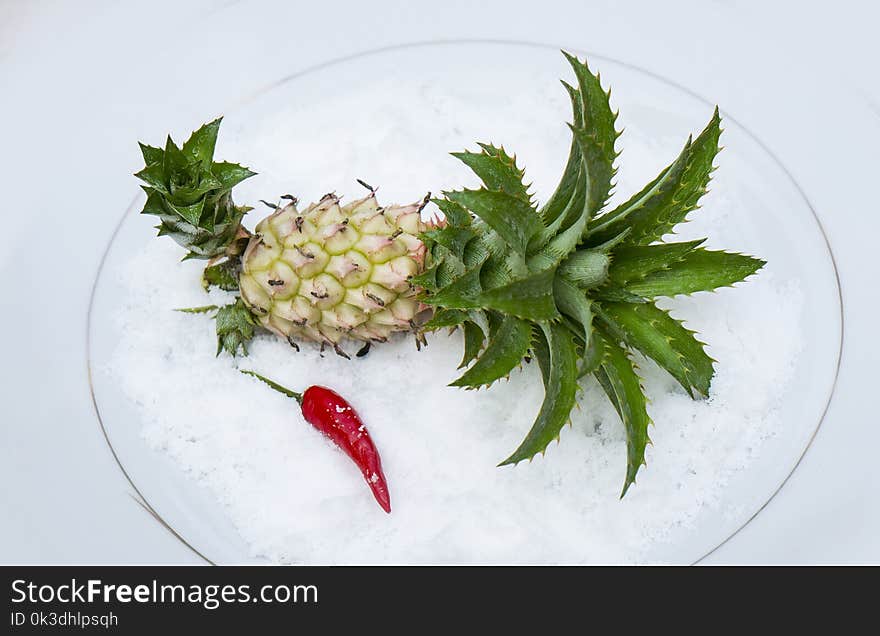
x=778, y=224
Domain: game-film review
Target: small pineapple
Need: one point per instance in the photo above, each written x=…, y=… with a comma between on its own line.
x=568, y=284
x=573, y=286
x=324, y=274
x=332, y=271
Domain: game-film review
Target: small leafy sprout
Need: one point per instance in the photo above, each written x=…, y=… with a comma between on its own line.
x=235, y=328
x=234, y=323
x=571, y=284
x=191, y=193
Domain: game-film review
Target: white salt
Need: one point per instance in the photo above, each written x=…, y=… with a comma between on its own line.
x=294, y=497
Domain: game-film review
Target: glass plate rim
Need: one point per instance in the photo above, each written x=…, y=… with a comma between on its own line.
x=252, y=95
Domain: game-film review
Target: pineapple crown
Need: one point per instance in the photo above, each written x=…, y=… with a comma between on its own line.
x=571, y=285
x=191, y=194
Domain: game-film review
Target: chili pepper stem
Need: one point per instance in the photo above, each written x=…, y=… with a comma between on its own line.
x=291, y=394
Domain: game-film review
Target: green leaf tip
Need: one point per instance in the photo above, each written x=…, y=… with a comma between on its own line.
x=560, y=390
x=497, y=170
x=618, y=378
x=699, y=270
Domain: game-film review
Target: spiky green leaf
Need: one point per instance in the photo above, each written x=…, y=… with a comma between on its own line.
x=483, y=319
x=192, y=214
x=666, y=201
x=235, y=328
x=486, y=245
x=153, y=174
x=449, y=270
x=662, y=338
x=151, y=154
x=461, y=293
x=473, y=342
x=497, y=170
x=455, y=214
x=508, y=345
x=560, y=390
x=596, y=136
x=230, y=175
x=540, y=350
x=427, y=280
x=699, y=270
x=445, y=318
x=564, y=242
x=556, y=205
x=513, y=219
x=200, y=145
x=648, y=203
x=616, y=294
x=572, y=211
x=453, y=238
x=634, y=262
x=622, y=385
x=178, y=169
x=593, y=355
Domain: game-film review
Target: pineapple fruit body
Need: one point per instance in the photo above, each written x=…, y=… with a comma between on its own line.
x=334, y=271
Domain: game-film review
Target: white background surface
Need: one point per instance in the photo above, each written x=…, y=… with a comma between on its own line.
x=80, y=81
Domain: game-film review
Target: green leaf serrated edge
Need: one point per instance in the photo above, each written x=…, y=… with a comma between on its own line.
x=667, y=200
x=497, y=170
x=513, y=219
x=560, y=391
x=618, y=378
x=506, y=349
x=699, y=270
x=659, y=336
x=473, y=342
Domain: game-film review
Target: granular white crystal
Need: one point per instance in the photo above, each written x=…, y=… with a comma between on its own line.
x=295, y=497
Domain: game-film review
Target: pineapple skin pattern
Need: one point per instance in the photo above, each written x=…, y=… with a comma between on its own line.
x=323, y=274
x=569, y=284
x=334, y=271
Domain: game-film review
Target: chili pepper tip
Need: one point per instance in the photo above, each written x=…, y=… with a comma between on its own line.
x=380, y=492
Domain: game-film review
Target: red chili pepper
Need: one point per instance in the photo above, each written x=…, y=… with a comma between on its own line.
x=328, y=412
